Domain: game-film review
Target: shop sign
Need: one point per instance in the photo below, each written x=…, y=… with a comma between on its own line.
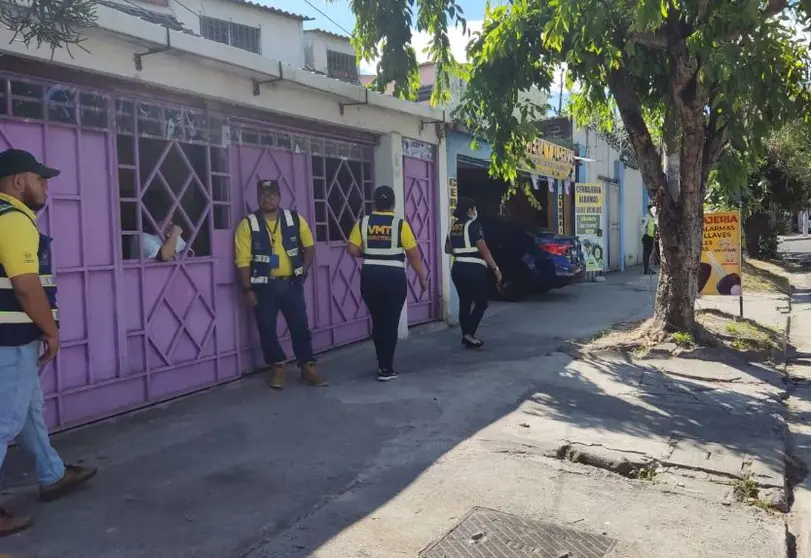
x=453, y=195
x=588, y=208
x=561, y=213
x=588, y=214
x=720, y=268
x=549, y=159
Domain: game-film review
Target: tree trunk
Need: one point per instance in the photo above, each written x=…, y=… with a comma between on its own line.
x=753, y=228
x=681, y=221
x=680, y=227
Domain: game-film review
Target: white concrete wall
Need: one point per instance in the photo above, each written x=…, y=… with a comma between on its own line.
x=224, y=73
x=633, y=211
x=316, y=45
x=282, y=38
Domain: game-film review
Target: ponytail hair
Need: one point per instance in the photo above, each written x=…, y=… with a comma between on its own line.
x=463, y=207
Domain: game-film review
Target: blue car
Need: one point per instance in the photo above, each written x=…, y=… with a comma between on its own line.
x=532, y=260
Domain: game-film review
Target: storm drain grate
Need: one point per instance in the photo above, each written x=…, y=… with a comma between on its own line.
x=484, y=533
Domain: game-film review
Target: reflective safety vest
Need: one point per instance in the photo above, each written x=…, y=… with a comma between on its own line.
x=16, y=327
x=262, y=249
x=651, y=229
x=381, y=246
x=463, y=249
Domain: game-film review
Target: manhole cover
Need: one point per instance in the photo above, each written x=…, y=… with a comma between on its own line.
x=485, y=532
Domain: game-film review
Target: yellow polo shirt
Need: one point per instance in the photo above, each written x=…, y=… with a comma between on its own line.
x=242, y=244
x=407, y=237
x=19, y=240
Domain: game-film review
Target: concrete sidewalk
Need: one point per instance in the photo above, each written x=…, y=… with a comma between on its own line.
x=365, y=470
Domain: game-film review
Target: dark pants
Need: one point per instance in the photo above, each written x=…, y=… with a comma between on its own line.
x=471, y=283
x=384, y=292
x=286, y=295
x=647, y=250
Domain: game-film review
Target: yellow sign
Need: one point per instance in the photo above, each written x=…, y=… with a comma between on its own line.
x=549, y=159
x=720, y=268
x=588, y=215
x=588, y=208
x=453, y=195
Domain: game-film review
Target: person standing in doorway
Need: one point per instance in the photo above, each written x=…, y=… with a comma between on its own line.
x=469, y=272
x=648, y=238
x=28, y=325
x=384, y=242
x=274, y=254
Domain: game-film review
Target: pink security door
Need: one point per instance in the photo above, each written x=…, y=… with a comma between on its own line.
x=67, y=128
x=329, y=192
x=178, y=317
x=419, y=182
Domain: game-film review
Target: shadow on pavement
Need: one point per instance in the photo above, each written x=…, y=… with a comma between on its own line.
x=239, y=469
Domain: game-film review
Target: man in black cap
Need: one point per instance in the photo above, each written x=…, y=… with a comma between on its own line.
x=28, y=324
x=274, y=254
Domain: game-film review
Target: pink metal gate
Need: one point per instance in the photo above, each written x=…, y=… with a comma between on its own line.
x=178, y=317
x=419, y=176
x=329, y=183
x=67, y=129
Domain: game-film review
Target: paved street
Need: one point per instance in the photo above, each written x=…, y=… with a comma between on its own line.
x=364, y=469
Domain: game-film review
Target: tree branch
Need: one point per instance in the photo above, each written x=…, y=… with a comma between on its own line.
x=622, y=88
x=714, y=143
x=774, y=7
x=657, y=40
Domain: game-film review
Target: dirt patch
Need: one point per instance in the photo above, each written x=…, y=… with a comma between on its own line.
x=765, y=277
x=716, y=331
x=757, y=341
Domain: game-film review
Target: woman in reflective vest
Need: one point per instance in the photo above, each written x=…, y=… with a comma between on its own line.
x=384, y=242
x=471, y=258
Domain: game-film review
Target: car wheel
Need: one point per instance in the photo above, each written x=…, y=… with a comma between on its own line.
x=514, y=287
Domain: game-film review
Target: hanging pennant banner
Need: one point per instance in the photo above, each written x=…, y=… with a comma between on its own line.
x=567, y=187
x=536, y=181
x=551, y=182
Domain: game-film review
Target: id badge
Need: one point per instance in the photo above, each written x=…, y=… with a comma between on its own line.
x=274, y=261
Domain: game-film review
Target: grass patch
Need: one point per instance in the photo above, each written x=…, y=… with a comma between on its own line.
x=742, y=334
x=744, y=489
x=764, y=277
x=684, y=339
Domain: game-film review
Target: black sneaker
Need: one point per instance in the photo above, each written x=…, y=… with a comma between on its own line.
x=386, y=375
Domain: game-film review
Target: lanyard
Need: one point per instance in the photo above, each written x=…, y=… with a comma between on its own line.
x=273, y=232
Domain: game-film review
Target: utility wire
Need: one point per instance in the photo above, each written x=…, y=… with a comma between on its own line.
x=335, y=23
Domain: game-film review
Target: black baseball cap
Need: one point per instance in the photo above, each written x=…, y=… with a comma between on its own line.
x=268, y=185
x=17, y=161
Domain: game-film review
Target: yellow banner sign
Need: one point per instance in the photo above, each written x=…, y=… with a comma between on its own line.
x=720, y=268
x=549, y=159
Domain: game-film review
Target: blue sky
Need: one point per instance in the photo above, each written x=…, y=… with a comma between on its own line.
x=340, y=12
x=337, y=17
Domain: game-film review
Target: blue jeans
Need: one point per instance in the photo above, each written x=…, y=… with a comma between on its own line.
x=21, y=408
x=287, y=296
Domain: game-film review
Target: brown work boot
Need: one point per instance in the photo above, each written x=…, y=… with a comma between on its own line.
x=11, y=524
x=74, y=477
x=310, y=376
x=277, y=373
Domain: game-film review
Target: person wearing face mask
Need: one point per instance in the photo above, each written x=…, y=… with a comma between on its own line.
x=469, y=271
x=385, y=243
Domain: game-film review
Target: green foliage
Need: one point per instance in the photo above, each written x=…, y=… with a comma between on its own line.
x=779, y=181
x=383, y=33
x=55, y=23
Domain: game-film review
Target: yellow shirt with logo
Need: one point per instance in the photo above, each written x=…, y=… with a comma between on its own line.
x=407, y=237
x=242, y=244
x=19, y=240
